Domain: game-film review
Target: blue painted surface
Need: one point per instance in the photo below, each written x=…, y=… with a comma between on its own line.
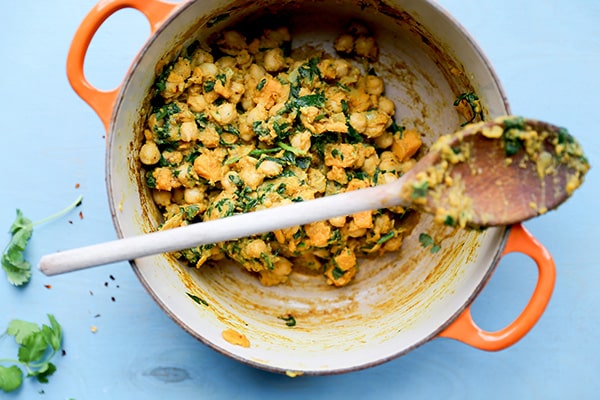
x=547, y=55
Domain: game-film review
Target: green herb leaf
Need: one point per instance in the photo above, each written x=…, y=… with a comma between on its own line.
x=53, y=333
x=33, y=348
x=21, y=329
x=420, y=190
x=337, y=273
x=473, y=101
x=289, y=320
x=44, y=372
x=260, y=129
x=11, y=378
x=310, y=69
x=17, y=269
x=37, y=346
x=197, y=299
x=564, y=136
x=315, y=100
x=426, y=240
x=209, y=86
x=386, y=237
x=167, y=111
x=450, y=221
x=261, y=84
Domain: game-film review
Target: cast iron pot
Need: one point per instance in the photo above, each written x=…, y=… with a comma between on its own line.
x=397, y=302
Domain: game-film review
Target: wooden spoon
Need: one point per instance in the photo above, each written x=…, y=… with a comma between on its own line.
x=487, y=174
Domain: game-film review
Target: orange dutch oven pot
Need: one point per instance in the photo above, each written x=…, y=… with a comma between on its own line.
x=397, y=302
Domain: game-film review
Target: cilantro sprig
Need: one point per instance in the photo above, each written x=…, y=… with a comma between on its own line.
x=426, y=240
x=37, y=346
x=14, y=264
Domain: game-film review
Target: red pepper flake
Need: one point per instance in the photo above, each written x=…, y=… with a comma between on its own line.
x=80, y=214
x=77, y=186
x=48, y=286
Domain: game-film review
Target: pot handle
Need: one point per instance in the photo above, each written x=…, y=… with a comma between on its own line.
x=464, y=328
x=103, y=101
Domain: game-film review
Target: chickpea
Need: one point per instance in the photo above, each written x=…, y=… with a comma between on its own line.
x=256, y=72
x=189, y=131
x=274, y=60
x=232, y=42
x=301, y=140
x=385, y=140
x=374, y=85
x=161, y=197
x=209, y=69
x=177, y=196
x=225, y=114
x=197, y=103
x=243, y=59
x=229, y=181
x=338, y=222
x=344, y=43
x=237, y=90
x=270, y=168
x=258, y=113
x=365, y=46
x=226, y=62
x=358, y=121
x=342, y=68
x=201, y=57
x=387, y=106
x=254, y=248
x=193, y=195
x=370, y=164
x=149, y=153
x=173, y=157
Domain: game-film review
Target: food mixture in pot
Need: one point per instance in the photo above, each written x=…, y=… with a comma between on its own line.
x=242, y=123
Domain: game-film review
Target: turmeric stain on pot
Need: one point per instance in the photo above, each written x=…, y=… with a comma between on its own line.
x=236, y=338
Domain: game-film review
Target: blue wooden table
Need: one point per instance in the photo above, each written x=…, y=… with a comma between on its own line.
x=118, y=344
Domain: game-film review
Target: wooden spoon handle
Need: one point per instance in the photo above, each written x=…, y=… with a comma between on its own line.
x=219, y=230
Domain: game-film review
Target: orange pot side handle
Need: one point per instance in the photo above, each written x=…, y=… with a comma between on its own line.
x=103, y=101
x=464, y=328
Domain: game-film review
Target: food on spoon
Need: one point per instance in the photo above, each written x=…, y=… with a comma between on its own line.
x=249, y=124
x=547, y=157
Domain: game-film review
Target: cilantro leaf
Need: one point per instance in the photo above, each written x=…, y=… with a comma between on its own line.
x=14, y=264
x=33, y=348
x=420, y=190
x=52, y=336
x=18, y=270
x=197, y=299
x=426, y=240
x=11, y=378
x=37, y=346
x=44, y=372
x=288, y=319
x=21, y=329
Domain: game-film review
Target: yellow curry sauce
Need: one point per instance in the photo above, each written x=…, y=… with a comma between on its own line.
x=247, y=123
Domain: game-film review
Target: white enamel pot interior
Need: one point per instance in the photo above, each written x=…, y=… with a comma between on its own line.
x=396, y=302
